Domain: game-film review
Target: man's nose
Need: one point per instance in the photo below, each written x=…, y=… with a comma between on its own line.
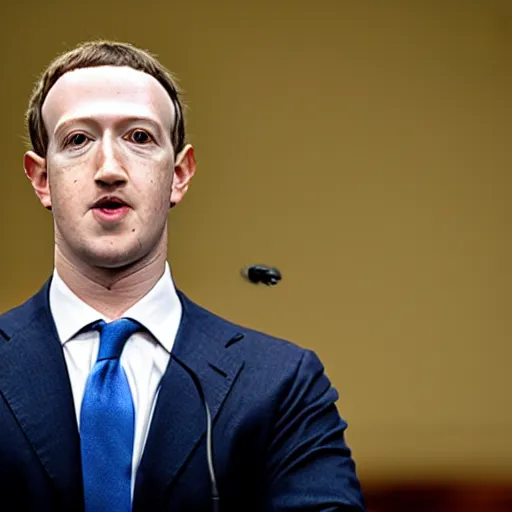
x=109, y=165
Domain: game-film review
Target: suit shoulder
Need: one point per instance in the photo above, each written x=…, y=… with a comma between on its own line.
x=247, y=342
x=21, y=315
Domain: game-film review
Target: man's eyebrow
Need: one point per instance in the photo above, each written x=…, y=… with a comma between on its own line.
x=88, y=120
x=66, y=123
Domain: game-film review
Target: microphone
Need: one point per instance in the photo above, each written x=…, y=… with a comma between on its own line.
x=214, y=492
x=262, y=274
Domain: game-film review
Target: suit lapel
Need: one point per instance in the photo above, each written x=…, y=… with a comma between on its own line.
x=35, y=384
x=199, y=359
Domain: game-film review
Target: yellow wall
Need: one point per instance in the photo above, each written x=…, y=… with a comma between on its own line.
x=364, y=148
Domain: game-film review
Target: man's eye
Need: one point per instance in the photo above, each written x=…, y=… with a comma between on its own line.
x=140, y=137
x=78, y=139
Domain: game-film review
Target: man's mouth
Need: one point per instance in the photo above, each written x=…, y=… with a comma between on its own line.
x=109, y=203
x=110, y=208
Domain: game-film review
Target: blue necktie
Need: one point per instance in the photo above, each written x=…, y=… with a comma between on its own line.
x=107, y=424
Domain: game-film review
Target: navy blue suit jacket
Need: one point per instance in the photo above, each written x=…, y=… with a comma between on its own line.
x=277, y=438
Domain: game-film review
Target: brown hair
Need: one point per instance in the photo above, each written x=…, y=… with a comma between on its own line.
x=94, y=54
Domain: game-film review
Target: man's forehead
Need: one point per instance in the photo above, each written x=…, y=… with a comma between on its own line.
x=107, y=90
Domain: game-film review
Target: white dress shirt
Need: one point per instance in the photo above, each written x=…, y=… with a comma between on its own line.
x=145, y=354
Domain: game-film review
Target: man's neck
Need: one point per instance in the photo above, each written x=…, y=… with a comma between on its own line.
x=111, y=291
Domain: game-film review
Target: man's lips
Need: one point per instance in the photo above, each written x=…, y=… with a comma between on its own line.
x=110, y=209
x=109, y=202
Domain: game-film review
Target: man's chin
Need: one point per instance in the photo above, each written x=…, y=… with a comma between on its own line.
x=112, y=259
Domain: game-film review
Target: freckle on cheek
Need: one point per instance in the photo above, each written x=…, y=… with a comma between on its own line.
x=133, y=230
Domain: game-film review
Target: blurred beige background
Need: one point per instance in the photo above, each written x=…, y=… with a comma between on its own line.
x=364, y=149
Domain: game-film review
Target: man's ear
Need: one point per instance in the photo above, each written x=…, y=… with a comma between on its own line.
x=35, y=170
x=184, y=170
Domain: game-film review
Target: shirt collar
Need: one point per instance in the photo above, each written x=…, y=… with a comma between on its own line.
x=159, y=311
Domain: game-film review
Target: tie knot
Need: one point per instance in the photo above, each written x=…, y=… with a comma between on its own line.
x=113, y=336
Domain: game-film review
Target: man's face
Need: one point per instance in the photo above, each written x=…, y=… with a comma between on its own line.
x=110, y=165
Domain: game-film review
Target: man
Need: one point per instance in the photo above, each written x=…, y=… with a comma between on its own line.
x=118, y=393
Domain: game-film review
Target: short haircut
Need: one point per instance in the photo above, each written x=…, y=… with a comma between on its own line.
x=95, y=54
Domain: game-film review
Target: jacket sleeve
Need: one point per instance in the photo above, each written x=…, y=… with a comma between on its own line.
x=310, y=467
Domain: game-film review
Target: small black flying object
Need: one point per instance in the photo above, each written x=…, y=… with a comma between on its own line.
x=262, y=274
